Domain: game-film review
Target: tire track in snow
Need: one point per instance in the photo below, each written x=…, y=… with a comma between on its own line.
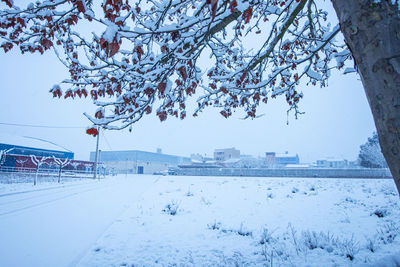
x=54, y=190
x=18, y=209
x=38, y=190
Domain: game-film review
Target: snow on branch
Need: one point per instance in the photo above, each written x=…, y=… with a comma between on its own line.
x=39, y=161
x=3, y=155
x=61, y=162
x=144, y=58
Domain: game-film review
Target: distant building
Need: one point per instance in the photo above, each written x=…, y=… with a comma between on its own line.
x=332, y=163
x=245, y=161
x=199, y=158
x=273, y=159
x=226, y=154
x=20, y=149
x=27, y=146
x=136, y=161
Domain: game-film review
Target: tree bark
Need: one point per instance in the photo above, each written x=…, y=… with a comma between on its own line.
x=372, y=33
x=59, y=174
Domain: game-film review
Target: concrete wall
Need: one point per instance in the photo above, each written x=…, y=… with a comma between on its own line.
x=132, y=166
x=317, y=172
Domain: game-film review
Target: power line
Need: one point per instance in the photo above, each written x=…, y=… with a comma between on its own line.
x=47, y=141
x=106, y=140
x=41, y=126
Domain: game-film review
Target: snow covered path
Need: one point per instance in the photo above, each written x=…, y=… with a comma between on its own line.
x=56, y=226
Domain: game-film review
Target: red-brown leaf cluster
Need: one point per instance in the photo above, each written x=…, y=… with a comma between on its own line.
x=92, y=131
x=161, y=87
x=110, y=48
x=99, y=114
x=233, y=5
x=247, y=15
x=8, y=2
x=212, y=4
x=162, y=115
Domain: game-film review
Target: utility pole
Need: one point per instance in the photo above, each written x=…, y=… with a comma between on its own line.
x=97, y=153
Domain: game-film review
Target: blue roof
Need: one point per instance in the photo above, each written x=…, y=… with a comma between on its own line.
x=137, y=155
x=25, y=150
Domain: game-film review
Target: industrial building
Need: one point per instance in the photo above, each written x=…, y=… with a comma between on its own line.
x=19, y=150
x=224, y=154
x=281, y=160
x=332, y=163
x=24, y=145
x=136, y=161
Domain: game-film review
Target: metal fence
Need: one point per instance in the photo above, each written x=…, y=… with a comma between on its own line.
x=21, y=175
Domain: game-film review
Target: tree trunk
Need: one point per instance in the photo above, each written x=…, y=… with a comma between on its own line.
x=36, y=175
x=372, y=33
x=59, y=175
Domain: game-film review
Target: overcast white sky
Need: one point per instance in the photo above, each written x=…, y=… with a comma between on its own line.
x=336, y=122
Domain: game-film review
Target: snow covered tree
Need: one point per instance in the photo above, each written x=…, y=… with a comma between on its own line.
x=21, y=162
x=3, y=155
x=140, y=56
x=38, y=163
x=61, y=163
x=370, y=154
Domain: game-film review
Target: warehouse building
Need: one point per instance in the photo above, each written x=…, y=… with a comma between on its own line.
x=224, y=154
x=276, y=160
x=16, y=152
x=140, y=162
x=24, y=145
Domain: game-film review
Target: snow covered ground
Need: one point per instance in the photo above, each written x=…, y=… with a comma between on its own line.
x=143, y=220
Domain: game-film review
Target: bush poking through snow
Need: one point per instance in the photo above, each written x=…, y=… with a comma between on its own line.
x=189, y=193
x=171, y=208
x=243, y=231
x=388, y=233
x=313, y=240
x=371, y=244
x=205, y=201
x=270, y=195
x=266, y=237
x=388, y=190
x=349, y=247
x=380, y=213
x=295, y=190
x=214, y=226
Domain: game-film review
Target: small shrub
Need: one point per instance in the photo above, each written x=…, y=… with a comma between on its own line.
x=371, y=244
x=189, y=193
x=388, y=190
x=205, y=201
x=349, y=248
x=171, y=208
x=310, y=239
x=270, y=195
x=350, y=200
x=266, y=237
x=243, y=232
x=295, y=190
x=380, y=213
x=214, y=226
x=313, y=240
x=388, y=233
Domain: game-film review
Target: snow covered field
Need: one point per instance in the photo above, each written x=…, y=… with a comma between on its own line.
x=201, y=221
